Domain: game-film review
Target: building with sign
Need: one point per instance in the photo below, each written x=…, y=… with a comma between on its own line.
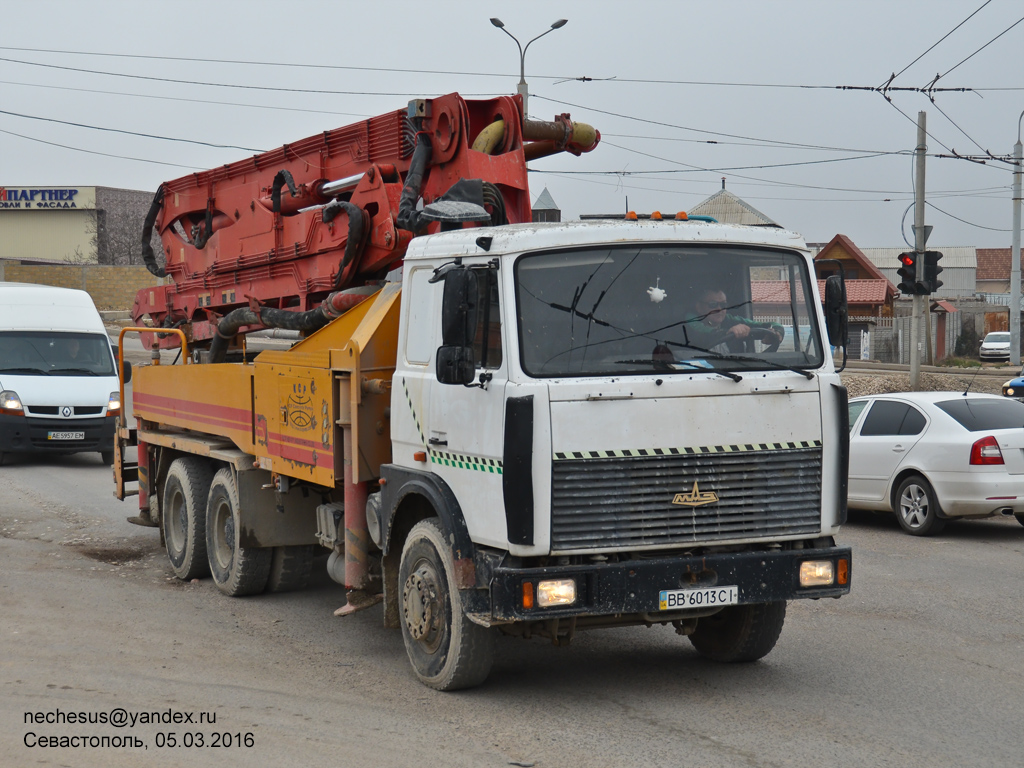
x=76, y=225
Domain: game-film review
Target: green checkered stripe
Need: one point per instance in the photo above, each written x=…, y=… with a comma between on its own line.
x=689, y=451
x=459, y=460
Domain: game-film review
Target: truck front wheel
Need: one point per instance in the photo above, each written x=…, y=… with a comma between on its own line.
x=236, y=570
x=183, y=518
x=740, y=632
x=447, y=650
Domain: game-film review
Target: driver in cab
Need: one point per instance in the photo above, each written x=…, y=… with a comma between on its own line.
x=714, y=329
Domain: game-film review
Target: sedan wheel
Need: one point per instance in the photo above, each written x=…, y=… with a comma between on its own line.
x=917, y=509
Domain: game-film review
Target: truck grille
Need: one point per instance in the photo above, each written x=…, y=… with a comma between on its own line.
x=626, y=501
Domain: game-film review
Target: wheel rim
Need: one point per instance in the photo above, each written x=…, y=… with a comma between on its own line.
x=177, y=520
x=424, y=610
x=914, y=506
x=224, y=535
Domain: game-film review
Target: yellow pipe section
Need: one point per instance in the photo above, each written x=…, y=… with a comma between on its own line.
x=489, y=138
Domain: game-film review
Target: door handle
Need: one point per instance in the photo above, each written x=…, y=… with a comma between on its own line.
x=437, y=441
x=898, y=449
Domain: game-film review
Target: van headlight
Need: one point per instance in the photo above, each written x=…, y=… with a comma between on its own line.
x=10, y=403
x=114, y=404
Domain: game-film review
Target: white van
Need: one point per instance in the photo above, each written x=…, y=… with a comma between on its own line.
x=58, y=375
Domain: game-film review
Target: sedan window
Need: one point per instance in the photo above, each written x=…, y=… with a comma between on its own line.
x=888, y=417
x=855, y=410
x=983, y=414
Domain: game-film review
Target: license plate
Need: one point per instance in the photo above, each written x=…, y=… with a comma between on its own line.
x=708, y=597
x=65, y=435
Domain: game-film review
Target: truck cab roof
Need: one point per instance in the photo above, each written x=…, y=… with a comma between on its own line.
x=515, y=238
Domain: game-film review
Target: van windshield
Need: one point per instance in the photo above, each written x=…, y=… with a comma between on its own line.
x=54, y=353
x=665, y=309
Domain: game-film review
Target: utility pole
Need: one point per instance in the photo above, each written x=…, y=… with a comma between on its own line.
x=1015, y=253
x=919, y=246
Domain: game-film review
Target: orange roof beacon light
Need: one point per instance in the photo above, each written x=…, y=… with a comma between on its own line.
x=656, y=216
x=631, y=216
x=681, y=216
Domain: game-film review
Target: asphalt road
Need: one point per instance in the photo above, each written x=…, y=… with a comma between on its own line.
x=922, y=665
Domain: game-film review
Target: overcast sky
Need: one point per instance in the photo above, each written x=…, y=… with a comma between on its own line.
x=757, y=78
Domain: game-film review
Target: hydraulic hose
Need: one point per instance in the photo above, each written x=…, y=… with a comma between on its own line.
x=148, y=257
x=354, y=244
x=408, y=217
x=333, y=306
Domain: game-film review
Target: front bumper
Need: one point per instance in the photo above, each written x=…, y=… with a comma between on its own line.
x=21, y=434
x=633, y=587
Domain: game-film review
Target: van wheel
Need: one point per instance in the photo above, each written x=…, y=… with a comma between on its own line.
x=290, y=568
x=740, y=632
x=107, y=457
x=236, y=570
x=447, y=650
x=183, y=517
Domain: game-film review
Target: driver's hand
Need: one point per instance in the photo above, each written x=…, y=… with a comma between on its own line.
x=740, y=331
x=780, y=335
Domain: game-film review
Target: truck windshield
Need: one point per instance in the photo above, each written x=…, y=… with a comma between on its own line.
x=55, y=353
x=665, y=309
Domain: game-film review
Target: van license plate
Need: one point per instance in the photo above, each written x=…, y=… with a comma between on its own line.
x=709, y=597
x=65, y=435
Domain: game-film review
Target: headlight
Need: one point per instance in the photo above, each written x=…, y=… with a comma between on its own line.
x=556, y=592
x=817, y=573
x=1008, y=391
x=114, y=404
x=10, y=403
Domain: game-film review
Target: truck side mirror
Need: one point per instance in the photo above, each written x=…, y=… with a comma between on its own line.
x=127, y=365
x=456, y=362
x=836, y=312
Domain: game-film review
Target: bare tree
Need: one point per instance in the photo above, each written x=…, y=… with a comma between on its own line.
x=120, y=216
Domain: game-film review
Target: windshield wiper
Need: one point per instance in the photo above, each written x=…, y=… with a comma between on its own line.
x=745, y=359
x=669, y=365
x=86, y=371
x=20, y=369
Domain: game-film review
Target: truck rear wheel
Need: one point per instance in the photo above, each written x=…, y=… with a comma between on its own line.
x=183, y=522
x=740, y=632
x=236, y=570
x=447, y=650
x=290, y=568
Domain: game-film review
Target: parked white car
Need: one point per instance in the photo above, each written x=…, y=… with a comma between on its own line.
x=933, y=456
x=995, y=346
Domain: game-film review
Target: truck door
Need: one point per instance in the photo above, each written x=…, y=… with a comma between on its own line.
x=465, y=424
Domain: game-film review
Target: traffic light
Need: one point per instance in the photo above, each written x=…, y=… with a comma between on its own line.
x=931, y=270
x=908, y=271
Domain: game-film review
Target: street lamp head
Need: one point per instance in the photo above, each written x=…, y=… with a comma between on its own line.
x=498, y=23
x=559, y=24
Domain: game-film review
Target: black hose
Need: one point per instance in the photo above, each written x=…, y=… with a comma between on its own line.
x=202, y=236
x=283, y=177
x=148, y=257
x=354, y=244
x=267, y=316
x=408, y=217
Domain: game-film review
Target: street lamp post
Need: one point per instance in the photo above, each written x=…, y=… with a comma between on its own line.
x=521, y=88
x=1015, y=253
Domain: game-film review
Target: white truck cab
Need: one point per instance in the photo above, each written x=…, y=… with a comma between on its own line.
x=58, y=374
x=619, y=423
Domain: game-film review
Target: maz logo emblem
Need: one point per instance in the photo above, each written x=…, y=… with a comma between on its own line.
x=695, y=498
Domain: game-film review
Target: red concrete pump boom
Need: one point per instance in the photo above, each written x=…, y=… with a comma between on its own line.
x=268, y=240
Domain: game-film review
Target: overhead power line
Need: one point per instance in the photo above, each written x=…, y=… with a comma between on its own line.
x=954, y=29
x=93, y=152
x=128, y=133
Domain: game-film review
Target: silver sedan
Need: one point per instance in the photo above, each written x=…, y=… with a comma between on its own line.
x=933, y=456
